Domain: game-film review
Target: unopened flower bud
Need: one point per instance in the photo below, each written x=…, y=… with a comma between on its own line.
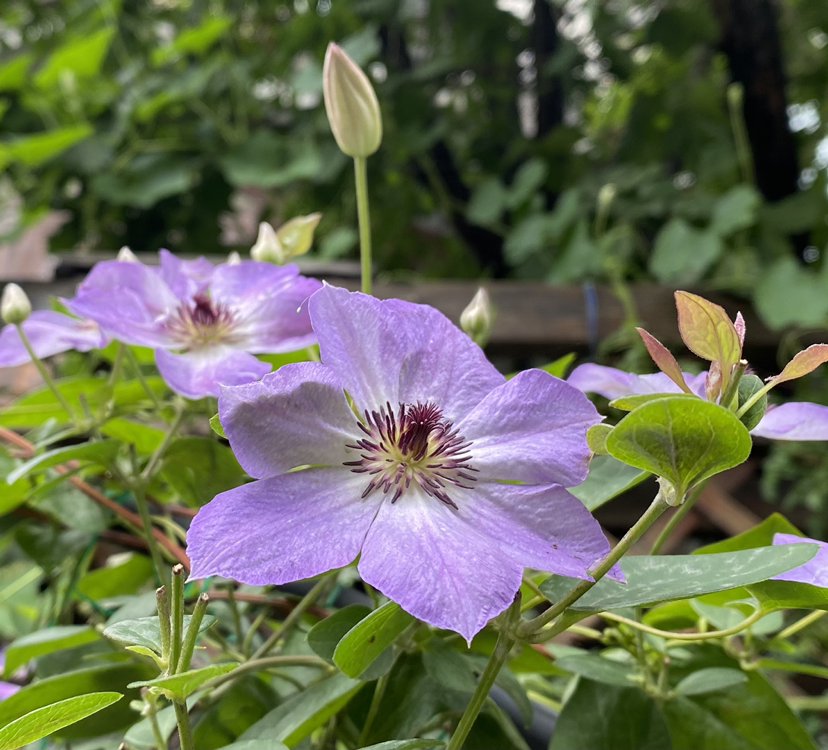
x=233, y=258
x=351, y=104
x=668, y=493
x=15, y=306
x=476, y=320
x=125, y=255
x=296, y=236
x=267, y=249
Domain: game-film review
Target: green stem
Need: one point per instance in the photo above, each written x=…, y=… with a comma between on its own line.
x=295, y=614
x=505, y=640
x=532, y=627
x=140, y=494
x=158, y=736
x=164, y=622
x=177, y=618
x=674, y=521
x=735, y=97
x=802, y=623
x=373, y=709
x=670, y=635
x=185, y=733
x=192, y=633
x=763, y=391
x=364, y=217
x=156, y=457
x=141, y=379
x=44, y=373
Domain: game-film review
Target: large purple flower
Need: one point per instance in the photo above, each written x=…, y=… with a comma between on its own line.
x=205, y=322
x=815, y=571
x=796, y=420
x=49, y=333
x=416, y=455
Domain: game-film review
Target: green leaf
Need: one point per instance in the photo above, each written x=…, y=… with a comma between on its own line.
x=707, y=330
x=602, y=717
x=43, y=722
x=144, y=437
x=215, y=426
x=13, y=72
x=80, y=57
x=608, y=478
x=597, y=438
x=256, y=745
x=709, y=680
x=199, y=468
x=749, y=716
x=42, y=642
x=370, y=637
x=305, y=711
x=748, y=386
x=630, y=403
x=146, y=631
x=34, y=150
x=196, y=40
x=735, y=210
x=407, y=745
x=126, y=576
x=101, y=452
x=560, y=366
x=789, y=295
x=682, y=254
x=147, y=180
x=325, y=636
x=449, y=667
x=184, y=684
x=659, y=578
x=529, y=178
x=599, y=669
x=487, y=203
x=79, y=682
x=266, y=160
x=683, y=439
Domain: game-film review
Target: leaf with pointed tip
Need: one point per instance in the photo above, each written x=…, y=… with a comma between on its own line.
x=709, y=680
x=804, y=362
x=184, y=684
x=608, y=478
x=597, y=438
x=664, y=359
x=707, y=331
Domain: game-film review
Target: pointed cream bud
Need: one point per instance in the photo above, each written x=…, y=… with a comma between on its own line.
x=296, y=236
x=233, y=258
x=267, y=249
x=476, y=320
x=15, y=306
x=351, y=104
x=125, y=255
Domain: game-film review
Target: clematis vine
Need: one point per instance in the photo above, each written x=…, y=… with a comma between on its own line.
x=708, y=332
x=406, y=448
x=49, y=333
x=205, y=322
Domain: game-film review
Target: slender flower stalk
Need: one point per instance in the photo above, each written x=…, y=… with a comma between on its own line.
x=139, y=492
x=188, y=648
x=44, y=373
x=364, y=217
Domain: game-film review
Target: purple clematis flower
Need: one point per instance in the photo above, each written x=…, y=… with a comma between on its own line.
x=49, y=333
x=445, y=479
x=796, y=420
x=815, y=571
x=205, y=322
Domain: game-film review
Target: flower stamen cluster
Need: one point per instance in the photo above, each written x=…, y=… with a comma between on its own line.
x=201, y=322
x=417, y=444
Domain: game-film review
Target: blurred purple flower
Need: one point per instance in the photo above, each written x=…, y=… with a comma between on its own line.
x=815, y=571
x=205, y=322
x=797, y=420
x=49, y=333
x=445, y=479
x=7, y=689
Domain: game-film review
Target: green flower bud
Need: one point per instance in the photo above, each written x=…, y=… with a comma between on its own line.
x=296, y=236
x=351, y=104
x=267, y=249
x=476, y=320
x=15, y=306
x=233, y=258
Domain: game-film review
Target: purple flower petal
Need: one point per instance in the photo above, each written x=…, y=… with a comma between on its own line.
x=438, y=565
x=201, y=372
x=399, y=352
x=612, y=383
x=281, y=529
x=531, y=429
x=815, y=571
x=7, y=689
x=269, y=303
x=49, y=333
x=185, y=278
x=128, y=300
x=295, y=416
x=542, y=527
x=798, y=420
